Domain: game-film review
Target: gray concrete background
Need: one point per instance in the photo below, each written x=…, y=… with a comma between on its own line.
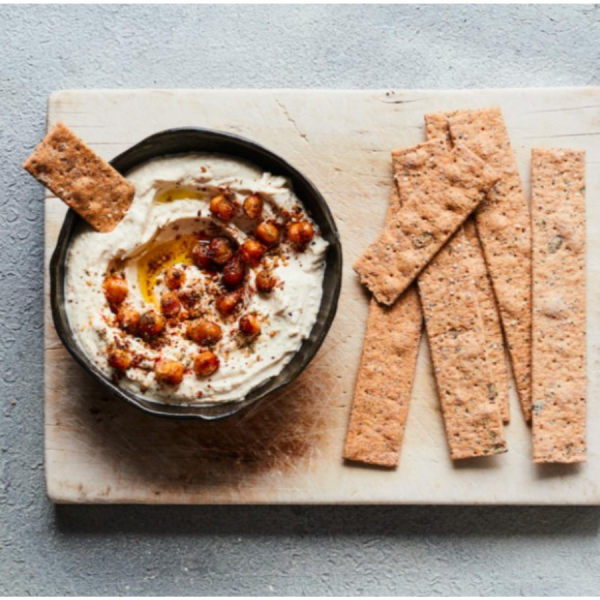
x=258, y=550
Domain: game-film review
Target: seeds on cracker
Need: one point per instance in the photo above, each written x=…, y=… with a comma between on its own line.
x=385, y=377
x=503, y=224
x=492, y=328
x=79, y=177
x=439, y=187
x=559, y=306
x=436, y=126
x=457, y=341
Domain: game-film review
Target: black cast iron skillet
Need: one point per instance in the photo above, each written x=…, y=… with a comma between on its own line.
x=184, y=141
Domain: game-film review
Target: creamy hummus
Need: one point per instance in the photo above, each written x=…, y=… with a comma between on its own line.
x=170, y=215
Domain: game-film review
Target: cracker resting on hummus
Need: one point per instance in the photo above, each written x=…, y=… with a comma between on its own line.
x=79, y=177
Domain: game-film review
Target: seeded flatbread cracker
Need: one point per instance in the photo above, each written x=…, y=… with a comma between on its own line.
x=385, y=377
x=436, y=126
x=456, y=338
x=492, y=329
x=439, y=188
x=79, y=177
x=504, y=228
x=559, y=305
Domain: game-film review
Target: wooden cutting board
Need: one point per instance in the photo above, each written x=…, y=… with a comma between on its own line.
x=288, y=450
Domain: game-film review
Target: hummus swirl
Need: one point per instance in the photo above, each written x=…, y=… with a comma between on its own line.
x=276, y=304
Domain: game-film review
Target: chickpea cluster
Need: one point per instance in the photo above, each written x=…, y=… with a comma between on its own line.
x=222, y=259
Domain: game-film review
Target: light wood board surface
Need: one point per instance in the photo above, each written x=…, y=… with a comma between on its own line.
x=99, y=450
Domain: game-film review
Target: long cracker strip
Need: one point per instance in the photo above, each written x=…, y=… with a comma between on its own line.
x=436, y=126
x=504, y=227
x=455, y=332
x=385, y=377
x=492, y=329
x=79, y=177
x=439, y=189
x=559, y=306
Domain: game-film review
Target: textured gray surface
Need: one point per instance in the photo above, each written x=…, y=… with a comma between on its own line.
x=252, y=550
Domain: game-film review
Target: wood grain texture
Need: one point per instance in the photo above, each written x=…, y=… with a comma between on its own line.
x=98, y=450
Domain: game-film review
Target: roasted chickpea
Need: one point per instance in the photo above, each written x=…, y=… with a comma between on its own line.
x=128, y=319
x=265, y=281
x=169, y=371
x=174, y=278
x=227, y=303
x=220, y=250
x=267, y=233
x=201, y=255
x=252, y=252
x=119, y=359
x=115, y=289
x=206, y=363
x=249, y=325
x=204, y=332
x=301, y=232
x=191, y=300
x=170, y=304
x=233, y=272
x=253, y=206
x=222, y=208
x=151, y=324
